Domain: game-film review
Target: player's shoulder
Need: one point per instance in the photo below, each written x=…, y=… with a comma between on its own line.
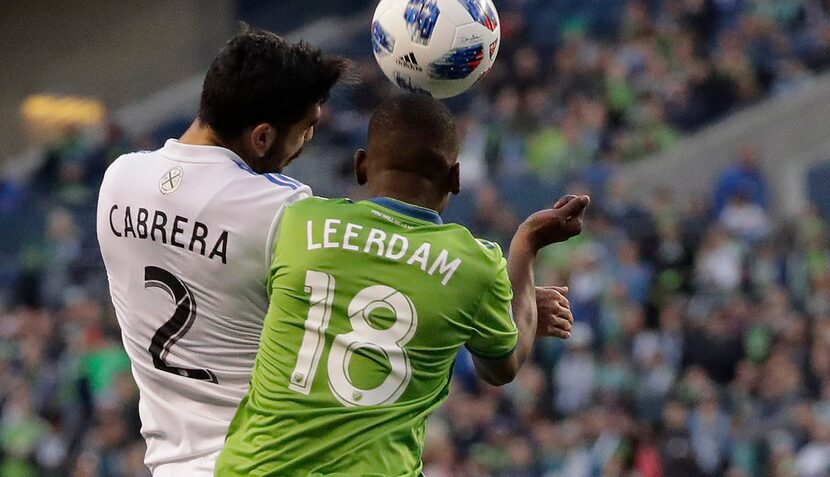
x=482, y=260
x=312, y=205
x=485, y=253
x=126, y=166
x=267, y=194
x=129, y=158
x=488, y=250
x=263, y=190
x=270, y=180
x=317, y=202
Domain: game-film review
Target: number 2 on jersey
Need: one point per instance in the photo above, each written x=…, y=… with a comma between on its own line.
x=389, y=342
x=178, y=324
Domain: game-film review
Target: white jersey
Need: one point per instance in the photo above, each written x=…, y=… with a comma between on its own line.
x=187, y=235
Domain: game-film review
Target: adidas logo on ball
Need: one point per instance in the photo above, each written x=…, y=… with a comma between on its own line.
x=409, y=62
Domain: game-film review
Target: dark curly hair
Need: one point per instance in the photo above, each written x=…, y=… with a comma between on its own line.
x=259, y=77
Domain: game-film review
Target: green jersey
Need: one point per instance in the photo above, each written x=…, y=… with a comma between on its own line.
x=370, y=303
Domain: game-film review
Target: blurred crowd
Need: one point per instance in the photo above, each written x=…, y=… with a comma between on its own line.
x=701, y=348
x=580, y=82
x=702, y=342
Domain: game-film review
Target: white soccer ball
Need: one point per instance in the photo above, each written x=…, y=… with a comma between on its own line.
x=440, y=47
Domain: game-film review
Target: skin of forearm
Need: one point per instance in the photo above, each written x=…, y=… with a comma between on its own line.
x=520, y=263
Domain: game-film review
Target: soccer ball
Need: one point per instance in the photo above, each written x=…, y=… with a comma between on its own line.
x=439, y=47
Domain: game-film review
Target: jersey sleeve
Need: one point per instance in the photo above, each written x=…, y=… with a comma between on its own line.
x=303, y=192
x=494, y=333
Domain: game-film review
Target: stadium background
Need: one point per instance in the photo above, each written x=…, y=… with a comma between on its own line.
x=701, y=285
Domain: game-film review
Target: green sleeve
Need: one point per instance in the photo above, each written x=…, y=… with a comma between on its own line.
x=285, y=233
x=494, y=333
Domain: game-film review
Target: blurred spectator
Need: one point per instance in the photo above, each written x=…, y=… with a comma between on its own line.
x=719, y=263
x=634, y=275
x=709, y=428
x=676, y=446
x=741, y=217
x=744, y=179
x=575, y=373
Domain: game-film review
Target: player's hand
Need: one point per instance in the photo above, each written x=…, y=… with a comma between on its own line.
x=556, y=224
x=554, y=312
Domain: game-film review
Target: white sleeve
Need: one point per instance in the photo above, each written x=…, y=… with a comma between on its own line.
x=303, y=192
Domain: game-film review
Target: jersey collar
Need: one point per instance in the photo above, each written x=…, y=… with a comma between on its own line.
x=420, y=213
x=197, y=153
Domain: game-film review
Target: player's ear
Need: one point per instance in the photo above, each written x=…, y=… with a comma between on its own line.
x=360, y=166
x=455, y=178
x=262, y=138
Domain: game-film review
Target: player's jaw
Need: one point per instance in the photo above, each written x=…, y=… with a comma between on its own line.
x=282, y=151
x=281, y=155
x=289, y=146
x=294, y=156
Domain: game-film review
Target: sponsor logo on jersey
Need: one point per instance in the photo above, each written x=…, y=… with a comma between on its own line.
x=493, y=48
x=409, y=62
x=171, y=180
x=421, y=17
x=382, y=42
x=458, y=63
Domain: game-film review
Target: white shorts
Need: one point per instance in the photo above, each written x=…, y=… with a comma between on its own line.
x=198, y=467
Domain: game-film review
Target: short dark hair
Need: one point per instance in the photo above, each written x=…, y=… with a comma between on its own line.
x=414, y=133
x=259, y=77
x=415, y=122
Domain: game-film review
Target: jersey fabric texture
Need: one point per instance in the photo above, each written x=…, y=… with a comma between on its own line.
x=199, y=467
x=370, y=303
x=186, y=233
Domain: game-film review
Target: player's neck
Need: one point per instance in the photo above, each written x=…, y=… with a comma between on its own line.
x=200, y=134
x=410, y=191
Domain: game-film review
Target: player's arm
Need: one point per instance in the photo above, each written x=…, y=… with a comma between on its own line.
x=543, y=228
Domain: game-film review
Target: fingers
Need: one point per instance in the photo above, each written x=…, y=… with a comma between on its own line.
x=549, y=295
x=556, y=316
x=574, y=207
x=557, y=224
x=567, y=199
x=549, y=329
x=562, y=335
x=559, y=328
x=563, y=290
x=563, y=200
x=554, y=312
x=565, y=316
